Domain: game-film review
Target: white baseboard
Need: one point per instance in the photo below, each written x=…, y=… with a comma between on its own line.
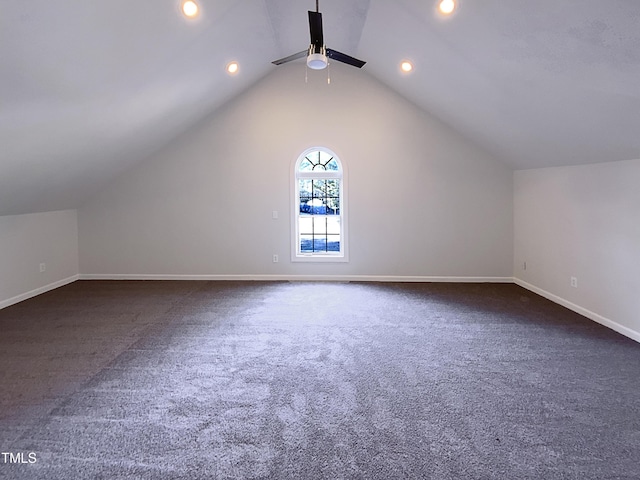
x=626, y=331
x=298, y=278
x=38, y=291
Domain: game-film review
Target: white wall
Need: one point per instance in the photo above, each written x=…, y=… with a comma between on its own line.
x=422, y=200
x=26, y=241
x=582, y=221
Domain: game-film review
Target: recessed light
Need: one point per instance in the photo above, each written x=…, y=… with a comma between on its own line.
x=406, y=66
x=232, y=68
x=446, y=7
x=190, y=8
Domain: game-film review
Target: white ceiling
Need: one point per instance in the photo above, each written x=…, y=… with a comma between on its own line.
x=88, y=88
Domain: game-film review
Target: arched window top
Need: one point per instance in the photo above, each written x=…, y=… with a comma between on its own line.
x=318, y=160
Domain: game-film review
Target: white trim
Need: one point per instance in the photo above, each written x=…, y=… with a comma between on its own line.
x=341, y=176
x=301, y=278
x=38, y=291
x=320, y=258
x=321, y=174
x=626, y=331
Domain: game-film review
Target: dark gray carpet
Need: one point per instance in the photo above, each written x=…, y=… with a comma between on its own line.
x=223, y=380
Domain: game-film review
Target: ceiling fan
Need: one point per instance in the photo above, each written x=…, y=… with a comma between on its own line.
x=317, y=53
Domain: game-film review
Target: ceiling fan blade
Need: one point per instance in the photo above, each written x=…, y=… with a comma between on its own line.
x=315, y=29
x=344, y=58
x=295, y=56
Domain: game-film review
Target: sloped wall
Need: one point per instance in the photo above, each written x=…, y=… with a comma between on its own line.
x=422, y=200
x=582, y=222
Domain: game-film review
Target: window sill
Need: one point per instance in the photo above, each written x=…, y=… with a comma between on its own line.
x=320, y=258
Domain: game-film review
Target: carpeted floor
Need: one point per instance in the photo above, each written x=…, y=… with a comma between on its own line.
x=250, y=380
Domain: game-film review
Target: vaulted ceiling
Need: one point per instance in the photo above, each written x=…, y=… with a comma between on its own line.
x=88, y=88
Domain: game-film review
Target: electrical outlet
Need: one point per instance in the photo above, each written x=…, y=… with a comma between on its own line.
x=275, y=259
x=574, y=282
x=43, y=267
x=274, y=214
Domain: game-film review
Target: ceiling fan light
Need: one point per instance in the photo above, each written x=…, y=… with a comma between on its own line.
x=316, y=61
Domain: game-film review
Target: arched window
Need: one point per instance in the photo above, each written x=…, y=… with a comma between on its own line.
x=319, y=207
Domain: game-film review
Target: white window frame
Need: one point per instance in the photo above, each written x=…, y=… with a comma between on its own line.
x=340, y=174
